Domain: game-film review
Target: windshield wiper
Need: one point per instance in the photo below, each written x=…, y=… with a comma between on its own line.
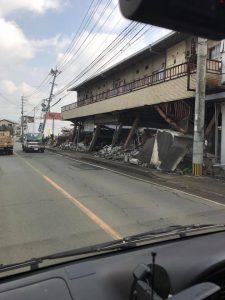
x=128, y=242
x=180, y=230
x=33, y=263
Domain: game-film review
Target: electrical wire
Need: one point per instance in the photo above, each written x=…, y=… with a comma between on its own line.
x=88, y=35
x=74, y=38
x=78, y=34
x=132, y=41
x=105, y=41
x=122, y=50
x=7, y=100
x=45, y=82
x=117, y=41
x=37, y=90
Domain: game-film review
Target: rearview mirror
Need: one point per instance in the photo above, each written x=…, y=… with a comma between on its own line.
x=204, y=18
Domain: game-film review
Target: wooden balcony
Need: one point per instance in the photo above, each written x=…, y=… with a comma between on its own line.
x=178, y=80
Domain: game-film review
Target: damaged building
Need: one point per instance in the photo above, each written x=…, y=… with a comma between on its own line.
x=146, y=103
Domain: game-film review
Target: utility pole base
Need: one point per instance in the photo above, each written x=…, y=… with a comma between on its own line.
x=197, y=169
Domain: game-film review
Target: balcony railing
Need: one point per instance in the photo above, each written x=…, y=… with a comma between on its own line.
x=213, y=66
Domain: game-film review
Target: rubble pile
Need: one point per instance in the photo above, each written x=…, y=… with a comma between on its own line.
x=70, y=146
x=119, y=153
x=155, y=148
x=163, y=150
x=109, y=152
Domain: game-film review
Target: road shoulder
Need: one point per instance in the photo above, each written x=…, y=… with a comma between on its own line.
x=207, y=187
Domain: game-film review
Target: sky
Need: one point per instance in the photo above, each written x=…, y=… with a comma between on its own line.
x=39, y=35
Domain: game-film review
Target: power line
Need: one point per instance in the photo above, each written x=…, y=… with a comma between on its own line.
x=117, y=41
x=60, y=99
x=102, y=45
x=124, y=48
x=81, y=33
x=43, y=83
x=72, y=60
x=135, y=38
x=74, y=38
x=107, y=52
x=89, y=34
x=7, y=100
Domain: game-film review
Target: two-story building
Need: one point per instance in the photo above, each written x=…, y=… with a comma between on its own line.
x=154, y=88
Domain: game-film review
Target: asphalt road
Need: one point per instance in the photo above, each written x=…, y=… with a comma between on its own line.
x=50, y=203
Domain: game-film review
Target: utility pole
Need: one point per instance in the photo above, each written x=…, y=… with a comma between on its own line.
x=22, y=112
x=199, y=120
x=54, y=73
x=53, y=126
x=34, y=121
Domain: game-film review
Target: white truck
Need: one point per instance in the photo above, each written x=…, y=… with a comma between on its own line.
x=33, y=142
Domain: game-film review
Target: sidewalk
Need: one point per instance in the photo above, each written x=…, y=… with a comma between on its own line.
x=207, y=187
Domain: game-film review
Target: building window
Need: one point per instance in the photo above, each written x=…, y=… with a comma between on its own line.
x=116, y=83
x=214, y=52
x=146, y=67
x=137, y=71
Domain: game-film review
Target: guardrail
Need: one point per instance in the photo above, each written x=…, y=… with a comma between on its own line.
x=212, y=66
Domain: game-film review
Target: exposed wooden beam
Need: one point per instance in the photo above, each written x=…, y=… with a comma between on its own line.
x=74, y=133
x=210, y=126
x=132, y=131
x=116, y=134
x=94, y=138
x=169, y=120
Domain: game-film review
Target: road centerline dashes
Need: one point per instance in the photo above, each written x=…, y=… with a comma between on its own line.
x=89, y=213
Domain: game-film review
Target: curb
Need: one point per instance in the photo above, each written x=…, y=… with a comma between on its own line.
x=114, y=165
x=146, y=174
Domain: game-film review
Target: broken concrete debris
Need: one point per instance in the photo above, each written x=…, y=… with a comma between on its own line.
x=163, y=151
x=154, y=148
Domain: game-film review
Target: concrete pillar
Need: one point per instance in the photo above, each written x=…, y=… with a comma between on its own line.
x=223, y=134
x=74, y=133
x=198, y=143
x=216, y=107
x=222, y=50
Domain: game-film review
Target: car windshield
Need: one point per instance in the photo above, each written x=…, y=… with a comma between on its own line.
x=129, y=125
x=34, y=137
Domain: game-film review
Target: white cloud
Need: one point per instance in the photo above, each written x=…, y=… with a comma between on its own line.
x=55, y=44
x=98, y=43
x=111, y=18
x=8, y=87
x=37, y=6
x=13, y=42
x=16, y=50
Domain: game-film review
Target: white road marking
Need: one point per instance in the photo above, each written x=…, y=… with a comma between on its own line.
x=143, y=180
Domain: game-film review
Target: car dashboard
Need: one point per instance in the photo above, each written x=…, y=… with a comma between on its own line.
x=187, y=261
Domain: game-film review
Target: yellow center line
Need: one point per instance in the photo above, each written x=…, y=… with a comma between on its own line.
x=90, y=214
